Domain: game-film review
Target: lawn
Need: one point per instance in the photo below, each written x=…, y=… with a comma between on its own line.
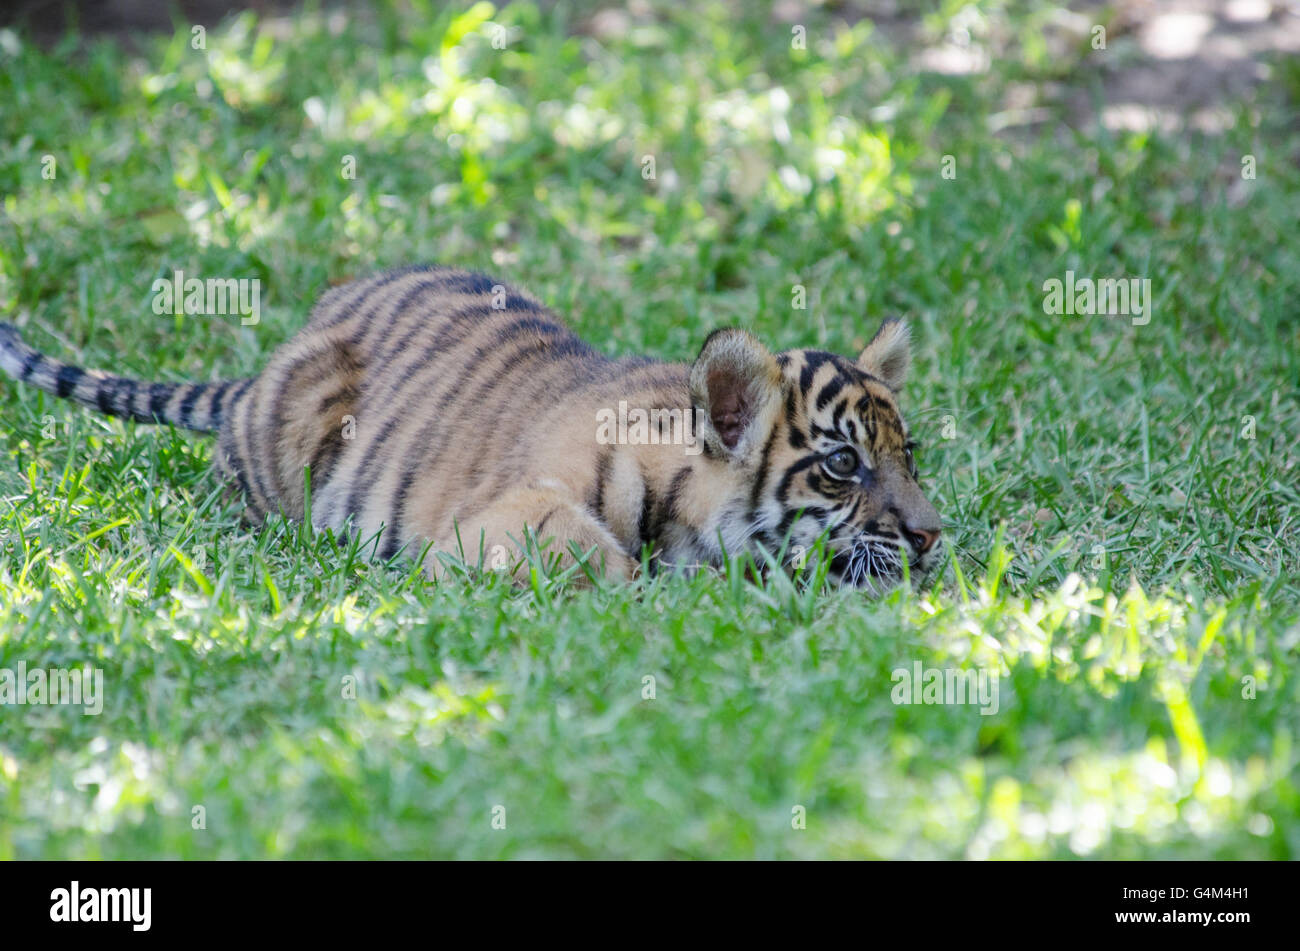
x=1119, y=496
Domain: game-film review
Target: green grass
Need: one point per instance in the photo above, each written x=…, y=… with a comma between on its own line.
x=1120, y=553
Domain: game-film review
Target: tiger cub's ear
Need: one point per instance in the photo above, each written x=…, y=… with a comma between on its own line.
x=736, y=386
x=889, y=354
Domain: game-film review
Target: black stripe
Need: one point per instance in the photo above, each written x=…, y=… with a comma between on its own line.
x=104, y=393
x=841, y=408
x=236, y=395
x=235, y=469
x=815, y=512
x=816, y=359
x=392, y=524
x=336, y=359
x=516, y=302
x=327, y=403
x=675, y=487
x=244, y=487
x=603, y=462
x=361, y=484
x=472, y=282
x=813, y=361
x=829, y=392
x=824, y=433
x=123, y=395
x=761, y=477
x=323, y=460
x=853, y=512
x=160, y=395
x=645, y=525
x=214, y=406
x=187, y=404
x=797, y=438
x=542, y=524
x=524, y=325
x=876, y=403
x=783, y=488
x=67, y=380
x=30, y=363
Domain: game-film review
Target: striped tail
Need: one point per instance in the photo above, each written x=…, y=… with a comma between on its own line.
x=199, y=406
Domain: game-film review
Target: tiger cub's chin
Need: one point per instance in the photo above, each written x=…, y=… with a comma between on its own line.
x=433, y=407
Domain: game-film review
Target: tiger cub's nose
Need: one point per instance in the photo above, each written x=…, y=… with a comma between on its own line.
x=921, y=539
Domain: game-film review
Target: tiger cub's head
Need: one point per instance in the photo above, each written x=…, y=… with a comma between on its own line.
x=816, y=444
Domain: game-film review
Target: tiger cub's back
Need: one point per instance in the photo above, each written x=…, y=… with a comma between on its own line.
x=418, y=396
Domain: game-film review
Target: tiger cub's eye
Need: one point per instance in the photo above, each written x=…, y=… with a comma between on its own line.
x=842, y=463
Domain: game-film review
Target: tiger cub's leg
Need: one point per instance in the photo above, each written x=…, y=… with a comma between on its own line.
x=559, y=524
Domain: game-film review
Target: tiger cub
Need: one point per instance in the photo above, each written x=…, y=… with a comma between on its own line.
x=433, y=406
